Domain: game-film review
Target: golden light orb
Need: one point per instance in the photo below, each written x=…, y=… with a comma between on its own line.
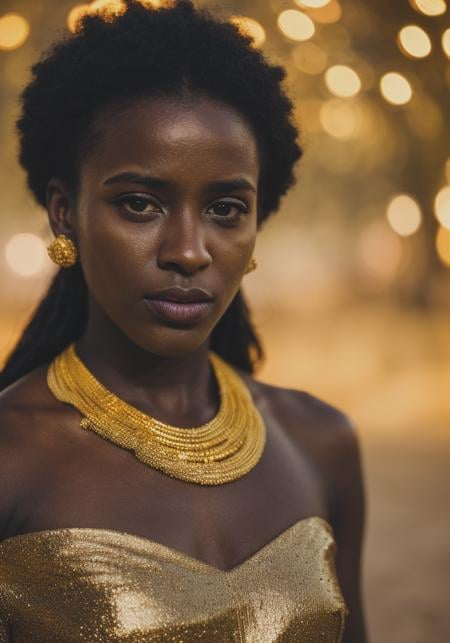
x=404, y=215
x=75, y=14
x=443, y=245
x=414, y=41
x=26, y=254
x=107, y=8
x=250, y=27
x=153, y=4
x=309, y=58
x=312, y=4
x=442, y=206
x=342, y=81
x=338, y=118
x=327, y=14
x=429, y=7
x=395, y=88
x=296, y=25
x=446, y=42
x=14, y=30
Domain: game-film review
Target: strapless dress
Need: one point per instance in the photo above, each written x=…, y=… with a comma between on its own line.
x=99, y=585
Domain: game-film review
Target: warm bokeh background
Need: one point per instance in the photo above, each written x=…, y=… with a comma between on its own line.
x=352, y=290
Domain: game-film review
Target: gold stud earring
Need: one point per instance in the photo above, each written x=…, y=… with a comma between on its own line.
x=251, y=265
x=62, y=251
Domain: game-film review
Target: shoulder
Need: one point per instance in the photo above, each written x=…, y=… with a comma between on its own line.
x=308, y=417
x=323, y=432
x=23, y=406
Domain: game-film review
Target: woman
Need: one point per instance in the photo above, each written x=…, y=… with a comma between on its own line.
x=155, y=491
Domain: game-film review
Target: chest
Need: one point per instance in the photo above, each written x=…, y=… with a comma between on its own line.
x=90, y=482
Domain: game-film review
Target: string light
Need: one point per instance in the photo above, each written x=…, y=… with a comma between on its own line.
x=442, y=206
x=404, y=215
x=14, y=30
x=395, y=88
x=414, y=41
x=342, y=81
x=296, y=25
x=250, y=27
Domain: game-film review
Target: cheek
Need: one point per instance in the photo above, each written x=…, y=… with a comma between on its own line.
x=114, y=259
x=231, y=257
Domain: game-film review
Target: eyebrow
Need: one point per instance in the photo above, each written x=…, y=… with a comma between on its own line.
x=156, y=182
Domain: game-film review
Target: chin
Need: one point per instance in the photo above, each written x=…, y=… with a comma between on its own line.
x=171, y=342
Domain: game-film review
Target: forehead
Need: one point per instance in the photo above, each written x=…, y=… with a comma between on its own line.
x=166, y=134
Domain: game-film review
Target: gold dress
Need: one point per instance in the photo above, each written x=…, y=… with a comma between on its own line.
x=98, y=585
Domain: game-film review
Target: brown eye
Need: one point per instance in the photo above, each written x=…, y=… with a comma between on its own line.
x=229, y=209
x=137, y=205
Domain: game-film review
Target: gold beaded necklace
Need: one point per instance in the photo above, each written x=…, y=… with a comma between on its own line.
x=224, y=449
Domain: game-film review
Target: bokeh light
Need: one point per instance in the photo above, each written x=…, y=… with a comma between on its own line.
x=250, y=27
x=446, y=42
x=312, y=4
x=414, y=41
x=75, y=15
x=107, y=7
x=430, y=7
x=338, y=118
x=443, y=245
x=395, y=88
x=26, y=254
x=404, y=215
x=342, y=81
x=14, y=30
x=442, y=206
x=296, y=25
x=329, y=13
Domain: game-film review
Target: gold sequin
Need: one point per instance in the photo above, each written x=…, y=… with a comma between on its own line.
x=81, y=584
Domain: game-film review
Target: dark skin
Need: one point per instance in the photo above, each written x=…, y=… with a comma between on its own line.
x=189, y=233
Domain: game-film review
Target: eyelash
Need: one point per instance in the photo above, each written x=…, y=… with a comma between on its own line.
x=127, y=198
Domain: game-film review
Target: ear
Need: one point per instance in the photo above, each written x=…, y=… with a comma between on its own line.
x=61, y=215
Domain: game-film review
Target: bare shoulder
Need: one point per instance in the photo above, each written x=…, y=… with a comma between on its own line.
x=308, y=418
x=326, y=435
x=22, y=406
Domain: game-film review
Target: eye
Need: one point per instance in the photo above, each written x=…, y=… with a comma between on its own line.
x=224, y=210
x=138, y=205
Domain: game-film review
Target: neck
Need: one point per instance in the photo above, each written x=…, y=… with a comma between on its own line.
x=178, y=390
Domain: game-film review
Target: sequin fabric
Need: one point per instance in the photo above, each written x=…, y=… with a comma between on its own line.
x=81, y=584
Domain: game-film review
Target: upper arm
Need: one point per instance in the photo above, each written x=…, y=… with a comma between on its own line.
x=13, y=467
x=348, y=522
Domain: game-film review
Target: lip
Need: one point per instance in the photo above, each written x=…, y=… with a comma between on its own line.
x=176, y=311
x=181, y=295
x=179, y=304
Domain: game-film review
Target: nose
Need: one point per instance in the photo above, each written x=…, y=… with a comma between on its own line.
x=183, y=244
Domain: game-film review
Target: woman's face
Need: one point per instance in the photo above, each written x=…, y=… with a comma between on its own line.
x=167, y=198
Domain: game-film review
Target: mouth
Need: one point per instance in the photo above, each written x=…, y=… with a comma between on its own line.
x=179, y=304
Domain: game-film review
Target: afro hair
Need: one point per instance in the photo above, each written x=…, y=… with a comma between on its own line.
x=143, y=51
